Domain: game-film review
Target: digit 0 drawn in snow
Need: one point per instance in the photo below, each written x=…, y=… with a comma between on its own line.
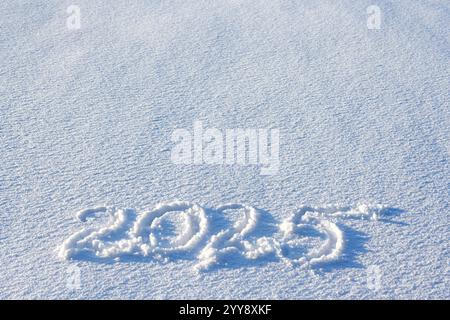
x=232, y=234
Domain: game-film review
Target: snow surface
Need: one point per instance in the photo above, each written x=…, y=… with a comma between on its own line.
x=86, y=118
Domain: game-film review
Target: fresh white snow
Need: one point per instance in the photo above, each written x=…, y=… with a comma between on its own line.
x=141, y=238
x=357, y=208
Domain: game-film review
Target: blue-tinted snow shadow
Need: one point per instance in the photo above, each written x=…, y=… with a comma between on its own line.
x=388, y=214
x=356, y=243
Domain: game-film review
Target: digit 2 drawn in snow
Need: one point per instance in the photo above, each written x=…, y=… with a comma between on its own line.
x=214, y=236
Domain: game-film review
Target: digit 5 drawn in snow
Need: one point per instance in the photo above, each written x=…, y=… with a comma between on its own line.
x=229, y=234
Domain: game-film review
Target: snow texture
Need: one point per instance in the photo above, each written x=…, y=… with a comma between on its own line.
x=359, y=207
x=141, y=239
